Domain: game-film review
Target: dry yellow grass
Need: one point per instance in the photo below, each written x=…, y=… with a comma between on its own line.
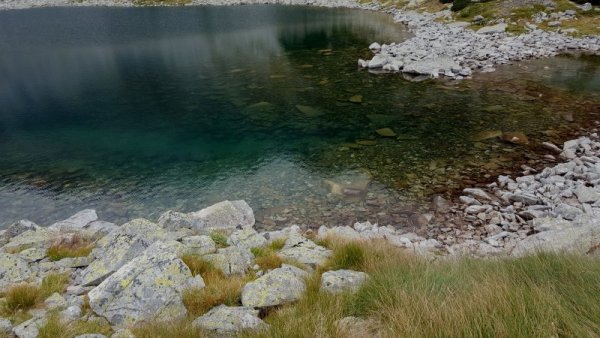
x=21, y=297
x=220, y=289
x=55, y=328
x=76, y=246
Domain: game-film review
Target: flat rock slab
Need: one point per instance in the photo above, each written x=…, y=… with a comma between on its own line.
x=279, y=286
x=119, y=247
x=150, y=286
x=13, y=269
x=229, y=319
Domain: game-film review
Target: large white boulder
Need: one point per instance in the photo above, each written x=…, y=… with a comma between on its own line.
x=342, y=281
x=148, y=287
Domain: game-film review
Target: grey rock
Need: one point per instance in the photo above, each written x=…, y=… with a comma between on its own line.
x=148, y=287
x=525, y=198
x=304, y=251
x=342, y=281
x=246, y=238
x=225, y=216
x=29, y=328
x=75, y=222
x=568, y=212
x=55, y=301
x=231, y=260
x=581, y=237
x=71, y=313
x=91, y=335
x=229, y=319
x=279, y=286
x=478, y=194
x=120, y=247
x=5, y=326
x=587, y=194
x=18, y=228
x=13, y=269
x=499, y=28
x=345, y=232
x=199, y=245
x=173, y=220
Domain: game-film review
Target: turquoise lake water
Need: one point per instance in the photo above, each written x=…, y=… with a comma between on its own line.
x=136, y=111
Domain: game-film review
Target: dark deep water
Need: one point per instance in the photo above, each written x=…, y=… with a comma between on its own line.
x=136, y=111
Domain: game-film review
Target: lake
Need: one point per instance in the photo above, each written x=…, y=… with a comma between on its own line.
x=134, y=111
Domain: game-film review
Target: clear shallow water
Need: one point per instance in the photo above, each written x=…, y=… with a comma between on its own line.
x=136, y=111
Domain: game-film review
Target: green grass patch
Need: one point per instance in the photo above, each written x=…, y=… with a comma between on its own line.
x=219, y=238
x=347, y=256
x=543, y=295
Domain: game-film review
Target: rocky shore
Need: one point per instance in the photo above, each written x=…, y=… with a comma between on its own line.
x=135, y=271
x=452, y=50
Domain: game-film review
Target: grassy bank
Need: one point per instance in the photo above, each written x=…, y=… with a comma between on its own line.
x=544, y=295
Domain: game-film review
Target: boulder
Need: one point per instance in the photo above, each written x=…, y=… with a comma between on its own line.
x=279, y=286
x=199, y=245
x=119, y=247
x=29, y=328
x=342, y=280
x=55, y=301
x=173, y=220
x=499, y=28
x=378, y=61
x=75, y=222
x=587, y=194
x=246, y=238
x=581, y=237
x=99, y=229
x=226, y=216
x=345, y=233
x=231, y=260
x=304, y=251
x=40, y=238
x=226, y=320
x=18, y=228
x=432, y=67
x=13, y=269
x=148, y=287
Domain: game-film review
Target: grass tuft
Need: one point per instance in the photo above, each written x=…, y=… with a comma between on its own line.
x=541, y=295
x=349, y=255
x=54, y=282
x=198, y=265
x=267, y=258
x=179, y=329
x=21, y=297
x=77, y=246
x=55, y=328
x=219, y=238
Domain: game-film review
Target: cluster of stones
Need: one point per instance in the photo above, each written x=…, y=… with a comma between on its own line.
x=135, y=272
x=554, y=19
x=557, y=208
x=454, y=51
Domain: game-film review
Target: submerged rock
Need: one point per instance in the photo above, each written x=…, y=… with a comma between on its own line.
x=386, y=132
x=279, y=286
x=148, y=287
